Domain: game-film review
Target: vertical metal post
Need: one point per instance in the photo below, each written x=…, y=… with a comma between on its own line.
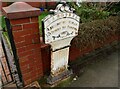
x=43, y=33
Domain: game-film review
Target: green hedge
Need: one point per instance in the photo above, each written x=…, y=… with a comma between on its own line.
x=89, y=12
x=97, y=31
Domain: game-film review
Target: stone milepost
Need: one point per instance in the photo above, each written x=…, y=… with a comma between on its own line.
x=60, y=28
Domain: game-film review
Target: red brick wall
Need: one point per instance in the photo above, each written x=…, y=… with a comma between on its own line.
x=26, y=37
x=76, y=52
x=37, y=4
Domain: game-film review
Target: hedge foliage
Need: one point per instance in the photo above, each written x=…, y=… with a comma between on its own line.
x=97, y=31
x=89, y=12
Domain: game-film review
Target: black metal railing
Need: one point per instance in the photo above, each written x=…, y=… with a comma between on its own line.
x=6, y=75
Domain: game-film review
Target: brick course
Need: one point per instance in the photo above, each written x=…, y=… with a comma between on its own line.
x=17, y=27
x=20, y=21
x=34, y=19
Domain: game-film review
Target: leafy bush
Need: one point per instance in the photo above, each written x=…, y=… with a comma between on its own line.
x=2, y=22
x=98, y=31
x=88, y=12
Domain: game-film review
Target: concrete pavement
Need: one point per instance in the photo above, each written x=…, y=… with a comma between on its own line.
x=103, y=72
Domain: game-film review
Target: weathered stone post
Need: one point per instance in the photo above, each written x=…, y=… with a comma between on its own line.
x=60, y=27
x=24, y=28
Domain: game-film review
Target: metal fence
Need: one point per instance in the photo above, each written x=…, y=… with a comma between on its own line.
x=6, y=74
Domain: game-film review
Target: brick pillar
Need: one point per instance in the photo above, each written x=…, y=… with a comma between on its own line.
x=25, y=30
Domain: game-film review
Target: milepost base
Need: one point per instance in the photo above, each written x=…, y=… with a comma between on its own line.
x=53, y=80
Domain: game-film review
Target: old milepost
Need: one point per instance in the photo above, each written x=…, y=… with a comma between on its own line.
x=59, y=28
